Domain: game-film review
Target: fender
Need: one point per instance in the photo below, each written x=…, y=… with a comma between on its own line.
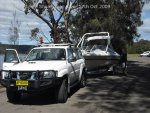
x=63, y=73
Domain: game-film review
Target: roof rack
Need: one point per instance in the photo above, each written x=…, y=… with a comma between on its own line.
x=51, y=45
x=97, y=33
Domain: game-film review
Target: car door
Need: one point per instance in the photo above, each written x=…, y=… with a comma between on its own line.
x=11, y=58
x=79, y=61
x=71, y=65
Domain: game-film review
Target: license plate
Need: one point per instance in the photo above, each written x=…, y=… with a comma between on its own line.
x=21, y=83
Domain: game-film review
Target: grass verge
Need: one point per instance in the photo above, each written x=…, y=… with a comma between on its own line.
x=133, y=55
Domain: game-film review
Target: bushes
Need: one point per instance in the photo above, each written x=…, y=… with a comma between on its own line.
x=139, y=47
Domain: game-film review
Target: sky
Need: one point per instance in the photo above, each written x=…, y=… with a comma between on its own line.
x=30, y=21
x=144, y=30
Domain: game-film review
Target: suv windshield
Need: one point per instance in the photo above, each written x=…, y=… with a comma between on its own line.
x=47, y=54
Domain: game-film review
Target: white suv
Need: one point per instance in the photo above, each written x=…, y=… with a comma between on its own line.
x=54, y=66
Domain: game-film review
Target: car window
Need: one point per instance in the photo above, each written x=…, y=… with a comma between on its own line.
x=10, y=56
x=47, y=54
x=71, y=54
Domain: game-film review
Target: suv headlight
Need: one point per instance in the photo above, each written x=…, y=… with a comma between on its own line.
x=5, y=74
x=49, y=74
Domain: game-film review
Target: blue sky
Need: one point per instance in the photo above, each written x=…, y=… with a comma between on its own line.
x=144, y=30
x=30, y=21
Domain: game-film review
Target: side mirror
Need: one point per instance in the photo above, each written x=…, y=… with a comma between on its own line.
x=22, y=59
x=72, y=59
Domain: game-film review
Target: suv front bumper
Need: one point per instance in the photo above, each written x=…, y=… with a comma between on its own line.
x=33, y=85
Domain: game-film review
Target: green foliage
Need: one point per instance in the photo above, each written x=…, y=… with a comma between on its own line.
x=119, y=18
x=139, y=47
x=34, y=33
x=46, y=10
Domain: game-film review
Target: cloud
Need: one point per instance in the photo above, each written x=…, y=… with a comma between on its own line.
x=3, y=26
x=145, y=28
x=146, y=6
x=11, y=5
x=28, y=22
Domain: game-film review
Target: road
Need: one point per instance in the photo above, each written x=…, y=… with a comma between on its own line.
x=104, y=94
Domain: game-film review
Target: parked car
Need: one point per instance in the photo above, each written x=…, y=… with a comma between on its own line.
x=146, y=54
x=52, y=66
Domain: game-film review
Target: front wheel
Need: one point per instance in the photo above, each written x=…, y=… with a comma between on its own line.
x=62, y=92
x=13, y=96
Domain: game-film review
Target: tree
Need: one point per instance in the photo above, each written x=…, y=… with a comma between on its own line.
x=14, y=30
x=34, y=34
x=37, y=34
x=119, y=17
x=139, y=47
x=47, y=9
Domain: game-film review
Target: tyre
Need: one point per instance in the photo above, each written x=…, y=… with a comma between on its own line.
x=62, y=92
x=83, y=80
x=13, y=96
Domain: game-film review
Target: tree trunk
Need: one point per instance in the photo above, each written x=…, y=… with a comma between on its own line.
x=55, y=34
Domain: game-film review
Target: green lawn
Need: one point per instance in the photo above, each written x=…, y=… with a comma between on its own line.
x=133, y=55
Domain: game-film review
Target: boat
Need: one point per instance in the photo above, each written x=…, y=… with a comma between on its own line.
x=97, y=51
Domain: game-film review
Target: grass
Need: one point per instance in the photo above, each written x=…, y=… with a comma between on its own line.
x=133, y=55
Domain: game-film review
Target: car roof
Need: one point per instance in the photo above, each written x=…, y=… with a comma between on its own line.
x=45, y=46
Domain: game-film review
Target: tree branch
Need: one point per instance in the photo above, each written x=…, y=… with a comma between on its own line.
x=56, y=8
x=38, y=15
x=62, y=12
x=51, y=15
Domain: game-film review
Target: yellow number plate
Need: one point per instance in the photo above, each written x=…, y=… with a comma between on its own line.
x=21, y=83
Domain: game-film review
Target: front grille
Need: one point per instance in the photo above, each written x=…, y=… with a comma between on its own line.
x=13, y=75
x=25, y=75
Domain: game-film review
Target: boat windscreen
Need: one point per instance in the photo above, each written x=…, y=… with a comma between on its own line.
x=95, y=44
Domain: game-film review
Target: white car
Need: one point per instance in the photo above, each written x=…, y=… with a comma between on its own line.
x=146, y=53
x=56, y=66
